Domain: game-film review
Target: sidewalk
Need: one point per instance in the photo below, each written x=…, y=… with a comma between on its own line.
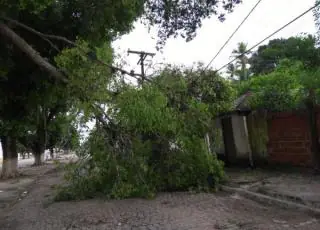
x=300, y=189
x=13, y=190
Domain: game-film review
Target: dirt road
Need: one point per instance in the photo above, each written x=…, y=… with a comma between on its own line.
x=179, y=211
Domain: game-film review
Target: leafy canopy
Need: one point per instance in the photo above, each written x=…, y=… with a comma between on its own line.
x=283, y=89
x=301, y=48
x=155, y=139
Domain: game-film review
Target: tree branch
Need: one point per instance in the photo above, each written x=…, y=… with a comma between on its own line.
x=46, y=37
x=14, y=22
x=40, y=61
x=30, y=52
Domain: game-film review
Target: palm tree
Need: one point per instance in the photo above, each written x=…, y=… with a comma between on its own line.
x=231, y=71
x=242, y=60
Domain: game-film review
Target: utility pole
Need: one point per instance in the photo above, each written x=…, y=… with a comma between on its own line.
x=143, y=55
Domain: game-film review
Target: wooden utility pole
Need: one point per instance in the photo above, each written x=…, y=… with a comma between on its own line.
x=143, y=55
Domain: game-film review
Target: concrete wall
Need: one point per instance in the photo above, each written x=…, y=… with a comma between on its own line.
x=241, y=136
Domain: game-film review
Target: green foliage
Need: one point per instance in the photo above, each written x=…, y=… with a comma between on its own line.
x=35, y=110
x=109, y=174
x=27, y=107
x=285, y=88
x=302, y=48
x=30, y=5
x=183, y=18
x=145, y=110
x=97, y=20
x=192, y=169
x=84, y=74
x=278, y=90
x=156, y=140
x=62, y=133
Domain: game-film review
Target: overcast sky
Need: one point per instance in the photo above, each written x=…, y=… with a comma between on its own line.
x=268, y=17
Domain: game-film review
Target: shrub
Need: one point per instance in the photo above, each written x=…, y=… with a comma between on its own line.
x=138, y=175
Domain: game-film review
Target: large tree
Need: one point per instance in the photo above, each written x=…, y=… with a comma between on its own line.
x=301, y=48
x=33, y=33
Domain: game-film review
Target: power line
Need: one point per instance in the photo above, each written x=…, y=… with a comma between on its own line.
x=277, y=31
x=224, y=45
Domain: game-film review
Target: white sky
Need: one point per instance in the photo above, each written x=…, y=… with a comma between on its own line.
x=267, y=17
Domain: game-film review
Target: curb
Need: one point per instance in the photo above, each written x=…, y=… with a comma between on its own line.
x=271, y=200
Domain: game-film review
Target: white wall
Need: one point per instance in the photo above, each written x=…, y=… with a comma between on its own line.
x=240, y=136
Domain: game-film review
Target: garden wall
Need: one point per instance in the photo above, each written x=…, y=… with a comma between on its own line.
x=289, y=138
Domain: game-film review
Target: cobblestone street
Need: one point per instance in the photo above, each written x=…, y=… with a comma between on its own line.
x=168, y=211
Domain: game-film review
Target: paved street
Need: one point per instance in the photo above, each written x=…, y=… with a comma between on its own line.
x=179, y=211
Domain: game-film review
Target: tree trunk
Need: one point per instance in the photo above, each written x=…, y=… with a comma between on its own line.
x=38, y=152
x=243, y=76
x=10, y=157
x=51, y=153
x=315, y=145
x=37, y=159
x=41, y=139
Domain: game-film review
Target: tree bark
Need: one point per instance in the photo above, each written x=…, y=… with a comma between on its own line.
x=37, y=159
x=10, y=157
x=40, y=143
x=38, y=152
x=30, y=52
x=51, y=153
